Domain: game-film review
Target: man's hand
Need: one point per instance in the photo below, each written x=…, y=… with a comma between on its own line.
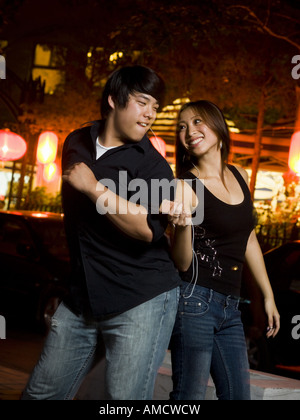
x=176, y=213
x=180, y=210
x=80, y=177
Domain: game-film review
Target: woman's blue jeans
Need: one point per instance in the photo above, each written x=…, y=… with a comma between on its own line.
x=135, y=342
x=208, y=338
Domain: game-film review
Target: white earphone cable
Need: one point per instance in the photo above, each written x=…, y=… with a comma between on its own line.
x=157, y=142
x=194, y=267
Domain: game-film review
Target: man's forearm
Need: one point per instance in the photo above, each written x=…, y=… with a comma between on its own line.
x=129, y=217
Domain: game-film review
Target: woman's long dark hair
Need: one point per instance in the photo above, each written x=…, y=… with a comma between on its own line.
x=213, y=117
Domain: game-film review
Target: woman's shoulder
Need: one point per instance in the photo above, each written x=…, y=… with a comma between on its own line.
x=242, y=172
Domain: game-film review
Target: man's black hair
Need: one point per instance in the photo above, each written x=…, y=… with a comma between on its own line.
x=129, y=80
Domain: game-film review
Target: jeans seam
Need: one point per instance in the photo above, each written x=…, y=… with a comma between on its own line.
x=150, y=364
x=181, y=359
x=180, y=375
x=79, y=374
x=225, y=367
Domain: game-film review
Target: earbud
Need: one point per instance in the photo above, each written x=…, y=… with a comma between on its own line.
x=160, y=150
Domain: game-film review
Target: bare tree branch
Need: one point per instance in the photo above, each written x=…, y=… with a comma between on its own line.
x=292, y=19
x=268, y=12
x=264, y=27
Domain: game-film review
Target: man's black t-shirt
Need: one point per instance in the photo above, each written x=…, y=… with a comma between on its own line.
x=112, y=272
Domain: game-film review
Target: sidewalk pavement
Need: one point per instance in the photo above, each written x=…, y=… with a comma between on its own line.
x=12, y=382
x=264, y=386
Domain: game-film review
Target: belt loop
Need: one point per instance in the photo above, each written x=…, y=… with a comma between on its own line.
x=211, y=292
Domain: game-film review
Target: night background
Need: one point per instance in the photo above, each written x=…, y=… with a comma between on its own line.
x=235, y=53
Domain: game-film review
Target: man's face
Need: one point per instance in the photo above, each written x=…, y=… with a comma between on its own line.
x=133, y=122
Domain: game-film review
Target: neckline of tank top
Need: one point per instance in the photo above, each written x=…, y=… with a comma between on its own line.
x=218, y=199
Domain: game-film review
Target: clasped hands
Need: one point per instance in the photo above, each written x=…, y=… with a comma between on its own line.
x=180, y=210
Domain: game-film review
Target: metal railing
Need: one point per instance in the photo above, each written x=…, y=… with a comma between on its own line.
x=57, y=208
x=269, y=235
x=275, y=234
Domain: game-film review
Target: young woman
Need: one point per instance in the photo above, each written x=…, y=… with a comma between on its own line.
x=208, y=336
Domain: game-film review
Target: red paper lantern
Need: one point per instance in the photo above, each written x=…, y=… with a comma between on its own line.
x=12, y=146
x=159, y=145
x=294, y=153
x=50, y=172
x=47, y=147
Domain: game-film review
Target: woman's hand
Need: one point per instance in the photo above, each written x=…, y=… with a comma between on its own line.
x=272, y=316
x=180, y=210
x=177, y=215
x=181, y=237
x=256, y=264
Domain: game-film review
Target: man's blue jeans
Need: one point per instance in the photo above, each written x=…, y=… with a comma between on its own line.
x=135, y=341
x=208, y=337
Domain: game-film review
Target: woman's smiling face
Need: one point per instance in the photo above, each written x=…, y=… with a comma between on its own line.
x=195, y=135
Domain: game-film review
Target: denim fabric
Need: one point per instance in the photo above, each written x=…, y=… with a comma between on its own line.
x=208, y=337
x=135, y=341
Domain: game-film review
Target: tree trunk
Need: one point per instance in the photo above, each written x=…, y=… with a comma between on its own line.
x=297, y=119
x=257, y=141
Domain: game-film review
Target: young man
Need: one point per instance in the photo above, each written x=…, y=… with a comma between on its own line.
x=123, y=286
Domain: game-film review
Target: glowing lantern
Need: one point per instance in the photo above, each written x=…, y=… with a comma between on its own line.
x=294, y=153
x=12, y=146
x=159, y=145
x=47, y=147
x=50, y=172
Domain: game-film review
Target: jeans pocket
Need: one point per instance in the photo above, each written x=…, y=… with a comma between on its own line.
x=193, y=306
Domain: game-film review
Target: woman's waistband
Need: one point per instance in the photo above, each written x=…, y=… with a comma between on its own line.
x=211, y=294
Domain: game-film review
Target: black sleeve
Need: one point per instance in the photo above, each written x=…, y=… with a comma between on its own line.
x=160, y=185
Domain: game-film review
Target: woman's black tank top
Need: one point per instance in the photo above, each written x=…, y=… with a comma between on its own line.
x=220, y=241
